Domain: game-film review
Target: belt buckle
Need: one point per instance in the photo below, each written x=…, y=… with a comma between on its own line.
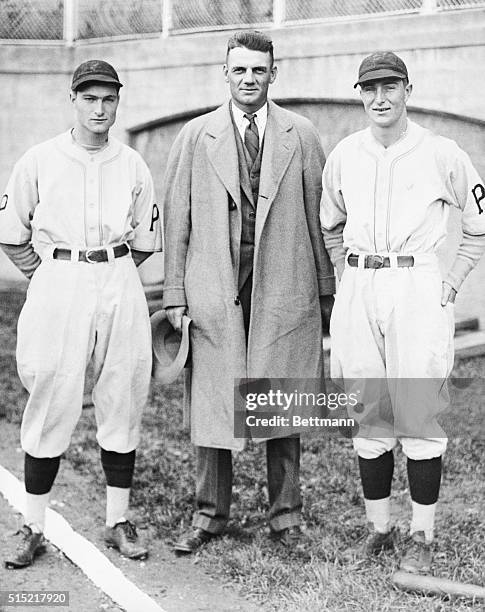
x=90, y=253
x=375, y=261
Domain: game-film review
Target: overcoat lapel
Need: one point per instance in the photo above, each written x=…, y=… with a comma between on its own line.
x=222, y=151
x=280, y=142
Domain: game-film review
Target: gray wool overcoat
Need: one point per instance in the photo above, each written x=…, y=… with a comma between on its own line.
x=202, y=217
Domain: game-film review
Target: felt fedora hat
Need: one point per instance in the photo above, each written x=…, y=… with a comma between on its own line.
x=170, y=347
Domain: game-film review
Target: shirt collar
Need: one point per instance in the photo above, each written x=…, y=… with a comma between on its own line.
x=261, y=117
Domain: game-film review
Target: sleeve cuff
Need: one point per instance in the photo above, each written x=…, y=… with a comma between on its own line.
x=173, y=297
x=145, y=247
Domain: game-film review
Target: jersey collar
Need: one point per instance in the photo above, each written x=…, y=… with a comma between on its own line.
x=67, y=145
x=413, y=135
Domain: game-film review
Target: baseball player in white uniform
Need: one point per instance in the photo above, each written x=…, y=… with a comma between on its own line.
x=77, y=216
x=387, y=194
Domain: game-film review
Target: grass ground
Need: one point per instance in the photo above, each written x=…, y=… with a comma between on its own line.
x=319, y=576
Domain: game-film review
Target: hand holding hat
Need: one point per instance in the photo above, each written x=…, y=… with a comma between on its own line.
x=170, y=347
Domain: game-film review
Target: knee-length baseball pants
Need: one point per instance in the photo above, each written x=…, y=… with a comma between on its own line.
x=388, y=325
x=75, y=313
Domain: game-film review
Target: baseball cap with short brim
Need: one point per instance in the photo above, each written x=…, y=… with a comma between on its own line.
x=170, y=348
x=381, y=65
x=95, y=71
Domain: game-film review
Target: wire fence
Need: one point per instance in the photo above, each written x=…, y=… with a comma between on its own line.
x=117, y=18
x=210, y=14
x=454, y=4
x=39, y=20
x=84, y=20
x=297, y=10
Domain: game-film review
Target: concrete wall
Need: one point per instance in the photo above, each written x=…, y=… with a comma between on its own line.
x=445, y=54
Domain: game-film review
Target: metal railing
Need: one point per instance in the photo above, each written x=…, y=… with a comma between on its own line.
x=85, y=20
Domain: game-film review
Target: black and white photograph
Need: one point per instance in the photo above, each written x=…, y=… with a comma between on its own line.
x=242, y=305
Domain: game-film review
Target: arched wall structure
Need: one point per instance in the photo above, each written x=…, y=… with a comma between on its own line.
x=333, y=118
x=168, y=80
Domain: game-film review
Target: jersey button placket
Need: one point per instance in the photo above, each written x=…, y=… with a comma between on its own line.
x=381, y=196
x=92, y=206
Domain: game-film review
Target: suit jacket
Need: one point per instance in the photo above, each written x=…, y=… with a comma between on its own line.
x=202, y=210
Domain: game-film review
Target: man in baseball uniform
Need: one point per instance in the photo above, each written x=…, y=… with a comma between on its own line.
x=387, y=195
x=77, y=217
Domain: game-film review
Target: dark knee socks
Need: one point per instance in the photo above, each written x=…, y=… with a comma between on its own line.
x=424, y=480
x=376, y=475
x=424, y=477
x=118, y=468
x=40, y=473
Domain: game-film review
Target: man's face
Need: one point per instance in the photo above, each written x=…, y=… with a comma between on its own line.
x=95, y=108
x=385, y=101
x=249, y=74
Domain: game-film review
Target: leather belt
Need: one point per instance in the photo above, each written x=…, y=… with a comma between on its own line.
x=92, y=255
x=381, y=261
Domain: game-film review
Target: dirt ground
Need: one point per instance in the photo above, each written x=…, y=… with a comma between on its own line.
x=174, y=583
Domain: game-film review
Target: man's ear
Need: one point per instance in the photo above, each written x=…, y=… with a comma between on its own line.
x=409, y=90
x=273, y=73
x=225, y=70
x=72, y=95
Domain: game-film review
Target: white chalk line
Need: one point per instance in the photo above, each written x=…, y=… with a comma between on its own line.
x=91, y=561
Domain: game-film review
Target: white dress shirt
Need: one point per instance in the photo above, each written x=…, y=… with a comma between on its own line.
x=242, y=122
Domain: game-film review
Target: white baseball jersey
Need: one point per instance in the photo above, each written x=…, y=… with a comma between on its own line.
x=61, y=195
x=397, y=199
x=389, y=322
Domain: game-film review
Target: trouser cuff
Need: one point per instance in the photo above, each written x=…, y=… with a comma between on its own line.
x=215, y=526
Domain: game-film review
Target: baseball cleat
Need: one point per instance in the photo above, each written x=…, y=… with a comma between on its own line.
x=31, y=544
x=418, y=556
x=124, y=538
x=376, y=542
x=372, y=544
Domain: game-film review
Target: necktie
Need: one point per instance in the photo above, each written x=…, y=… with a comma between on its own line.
x=251, y=137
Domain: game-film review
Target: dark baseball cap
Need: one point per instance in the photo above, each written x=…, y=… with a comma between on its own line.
x=94, y=70
x=381, y=65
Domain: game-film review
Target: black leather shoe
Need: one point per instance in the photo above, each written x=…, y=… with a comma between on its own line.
x=31, y=544
x=193, y=540
x=290, y=536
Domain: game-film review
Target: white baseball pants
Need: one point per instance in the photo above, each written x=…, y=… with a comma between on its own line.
x=76, y=312
x=388, y=325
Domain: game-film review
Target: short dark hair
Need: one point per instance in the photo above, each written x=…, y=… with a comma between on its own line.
x=253, y=40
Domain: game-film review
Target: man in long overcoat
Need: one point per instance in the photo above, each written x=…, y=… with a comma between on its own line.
x=245, y=259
